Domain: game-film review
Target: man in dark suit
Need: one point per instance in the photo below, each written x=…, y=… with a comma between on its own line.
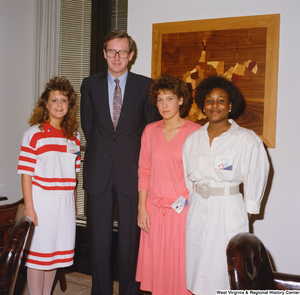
x=110, y=171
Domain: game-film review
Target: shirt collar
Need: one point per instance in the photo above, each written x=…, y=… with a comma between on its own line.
x=122, y=79
x=233, y=130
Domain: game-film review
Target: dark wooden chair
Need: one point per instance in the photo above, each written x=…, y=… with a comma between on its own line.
x=249, y=266
x=8, y=215
x=11, y=256
x=7, y=220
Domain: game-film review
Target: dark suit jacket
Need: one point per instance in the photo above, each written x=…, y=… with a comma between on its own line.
x=107, y=148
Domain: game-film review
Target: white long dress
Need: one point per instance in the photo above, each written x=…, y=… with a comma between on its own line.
x=52, y=161
x=212, y=222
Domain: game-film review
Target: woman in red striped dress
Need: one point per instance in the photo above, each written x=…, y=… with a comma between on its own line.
x=48, y=162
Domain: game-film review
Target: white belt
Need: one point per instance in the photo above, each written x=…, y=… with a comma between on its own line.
x=205, y=190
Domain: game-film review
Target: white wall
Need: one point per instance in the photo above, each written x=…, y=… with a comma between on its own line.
x=16, y=101
x=279, y=228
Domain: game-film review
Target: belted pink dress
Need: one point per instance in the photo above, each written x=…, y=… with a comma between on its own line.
x=161, y=260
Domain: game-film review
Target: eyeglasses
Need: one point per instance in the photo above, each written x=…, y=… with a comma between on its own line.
x=113, y=53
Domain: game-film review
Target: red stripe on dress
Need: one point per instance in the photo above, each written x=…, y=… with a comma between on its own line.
x=40, y=135
x=54, y=133
x=25, y=168
x=50, y=262
x=38, y=254
x=27, y=150
x=54, y=188
x=54, y=179
x=26, y=159
x=77, y=141
x=51, y=148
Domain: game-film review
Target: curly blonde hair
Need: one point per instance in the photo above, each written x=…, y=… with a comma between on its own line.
x=40, y=114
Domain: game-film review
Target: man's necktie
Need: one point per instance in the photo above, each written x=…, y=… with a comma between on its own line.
x=117, y=104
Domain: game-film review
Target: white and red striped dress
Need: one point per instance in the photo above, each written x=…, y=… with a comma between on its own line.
x=52, y=161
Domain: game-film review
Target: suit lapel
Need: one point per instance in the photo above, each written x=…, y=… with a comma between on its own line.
x=102, y=98
x=129, y=96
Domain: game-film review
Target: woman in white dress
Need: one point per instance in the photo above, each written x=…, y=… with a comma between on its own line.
x=217, y=158
x=48, y=162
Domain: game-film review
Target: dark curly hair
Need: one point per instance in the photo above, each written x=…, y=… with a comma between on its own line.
x=167, y=83
x=208, y=84
x=40, y=113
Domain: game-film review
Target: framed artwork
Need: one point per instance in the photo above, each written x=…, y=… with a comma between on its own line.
x=244, y=49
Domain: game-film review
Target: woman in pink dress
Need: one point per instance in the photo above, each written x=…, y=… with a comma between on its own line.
x=163, y=195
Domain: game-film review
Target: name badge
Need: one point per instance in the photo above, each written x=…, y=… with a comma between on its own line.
x=180, y=204
x=72, y=148
x=223, y=163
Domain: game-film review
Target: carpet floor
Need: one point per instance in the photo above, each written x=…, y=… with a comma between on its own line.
x=77, y=284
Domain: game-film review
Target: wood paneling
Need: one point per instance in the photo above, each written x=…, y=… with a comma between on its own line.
x=177, y=47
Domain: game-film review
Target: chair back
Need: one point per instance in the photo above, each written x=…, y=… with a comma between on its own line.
x=7, y=220
x=11, y=256
x=249, y=267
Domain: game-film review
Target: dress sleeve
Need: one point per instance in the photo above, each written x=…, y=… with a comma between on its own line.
x=28, y=154
x=144, y=164
x=185, y=158
x=255, y=176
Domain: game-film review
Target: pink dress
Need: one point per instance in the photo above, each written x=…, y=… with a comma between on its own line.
x=161, y=260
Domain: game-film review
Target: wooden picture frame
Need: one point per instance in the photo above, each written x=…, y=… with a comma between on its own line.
x=175, y=46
